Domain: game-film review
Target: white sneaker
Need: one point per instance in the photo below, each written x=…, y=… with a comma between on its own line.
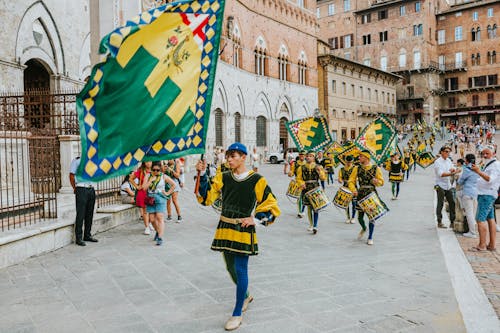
x=470, y=235
x=348, y=221
x=151, y=228
x=310, y=229
x=498, y=228
x=369, y=242
x=353, y=220
x=179, y=219
x=147, y=231
x=393, y=197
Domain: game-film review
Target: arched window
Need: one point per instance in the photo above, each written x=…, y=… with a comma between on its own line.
x=494, y=31
x=476, y=34
x=237, y=53
x=473, y=59
x=283, y=131
x=478, y=59
x=237, y=127
x=219, y=128
x=490, y=31
x=261, y=132
x=260, y=62
x=284, y=66
x=302, y=72
x=494, y=57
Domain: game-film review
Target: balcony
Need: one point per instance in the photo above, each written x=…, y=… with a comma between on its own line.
x=431, y=66
x=455, y=66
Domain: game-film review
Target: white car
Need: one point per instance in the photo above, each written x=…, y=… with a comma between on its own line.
x=277, y=157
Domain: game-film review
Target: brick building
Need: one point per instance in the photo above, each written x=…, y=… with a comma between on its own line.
x=406, y=38
x=267, y=72
x=468, y=43
x=353, y=94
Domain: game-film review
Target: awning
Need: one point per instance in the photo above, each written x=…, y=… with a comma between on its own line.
x=466, y=113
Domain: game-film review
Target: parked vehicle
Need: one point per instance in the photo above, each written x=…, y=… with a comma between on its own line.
x=278, y=157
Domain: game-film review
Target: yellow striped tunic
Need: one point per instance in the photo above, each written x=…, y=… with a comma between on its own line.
x=239, y=198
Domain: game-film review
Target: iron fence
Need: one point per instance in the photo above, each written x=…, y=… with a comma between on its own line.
x=30, y=171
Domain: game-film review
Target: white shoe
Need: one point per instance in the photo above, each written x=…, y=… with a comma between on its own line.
x=348, y=221
x=179, y=220
x=361, y=234
x=393, y=197
x=498, y=228
x=246, y=302
x=151, y=228
x=369, y=242
x=147, y=231
x=353, y=221
x=310, y=229
x=233, y=323
x=470, y=235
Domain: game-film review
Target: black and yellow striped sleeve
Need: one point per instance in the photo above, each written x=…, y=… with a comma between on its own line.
x=266, y=201
x=209, y=196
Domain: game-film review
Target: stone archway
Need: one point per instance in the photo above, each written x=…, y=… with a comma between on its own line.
x=36, y=89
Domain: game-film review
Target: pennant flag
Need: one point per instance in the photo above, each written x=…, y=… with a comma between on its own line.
x=310, y=133
x=150, y=99
x=349, y=148
x=425, y=159
x=393, y=148
x=377, y=137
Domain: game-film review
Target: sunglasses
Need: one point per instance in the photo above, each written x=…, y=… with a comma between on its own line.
x=156, y=169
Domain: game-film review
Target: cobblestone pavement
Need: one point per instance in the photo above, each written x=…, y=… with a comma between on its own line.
x=330, y=282
x=486, y=266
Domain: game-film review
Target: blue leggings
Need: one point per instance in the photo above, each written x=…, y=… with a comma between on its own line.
x=395, y=189
x=237, y=266
x=330, y=178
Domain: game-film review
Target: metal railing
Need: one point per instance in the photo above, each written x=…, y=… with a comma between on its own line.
x=30, y=171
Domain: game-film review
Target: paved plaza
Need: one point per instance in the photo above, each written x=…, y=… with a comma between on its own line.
x=330, y=282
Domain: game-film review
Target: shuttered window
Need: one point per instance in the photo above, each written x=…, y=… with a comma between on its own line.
x=237, y=127
x=219, y=118
x=261, y=131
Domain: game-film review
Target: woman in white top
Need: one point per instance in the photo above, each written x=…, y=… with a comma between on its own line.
x=127, y=190
x=160, y=187
x=255, y=160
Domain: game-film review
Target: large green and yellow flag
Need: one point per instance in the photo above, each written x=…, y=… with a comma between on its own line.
x=310, y=133
x=150, y=99
x=377, y=137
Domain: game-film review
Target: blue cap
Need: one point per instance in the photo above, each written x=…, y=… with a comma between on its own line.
x=238, y=147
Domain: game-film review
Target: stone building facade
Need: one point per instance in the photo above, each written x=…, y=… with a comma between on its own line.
x=403, y=37
x=468, y=43
x=352, y=94
x=46, y=45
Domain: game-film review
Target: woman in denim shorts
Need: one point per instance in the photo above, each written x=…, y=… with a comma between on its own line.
x=160, y=187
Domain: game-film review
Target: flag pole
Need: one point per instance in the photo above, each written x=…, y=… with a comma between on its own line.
x=197, y=184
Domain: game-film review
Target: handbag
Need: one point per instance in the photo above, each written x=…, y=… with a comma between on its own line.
x=149, y=201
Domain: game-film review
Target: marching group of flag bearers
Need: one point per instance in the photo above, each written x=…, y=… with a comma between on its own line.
x=173, y=101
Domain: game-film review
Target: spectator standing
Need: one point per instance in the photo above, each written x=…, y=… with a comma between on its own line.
x=487, y=190
x=173, y=170
x=85, y=202
x=443, y=169
x=141, y=176
x=468, y=200
x=255, y=160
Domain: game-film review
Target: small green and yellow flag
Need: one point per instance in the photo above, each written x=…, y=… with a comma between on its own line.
x=425, y=159
x=310, y=134
x=377, y=137
x=150, y=99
